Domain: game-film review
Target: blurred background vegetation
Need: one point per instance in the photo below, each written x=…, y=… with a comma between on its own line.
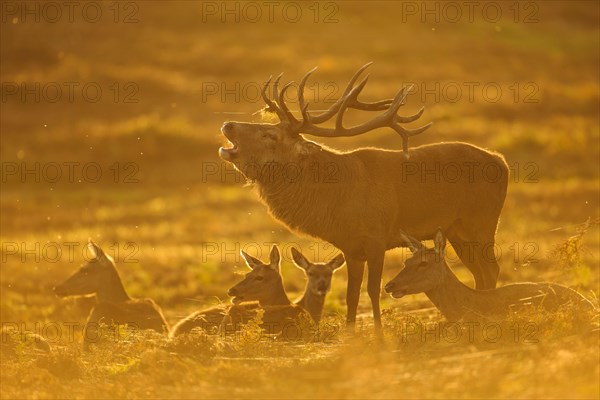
x=171, y=74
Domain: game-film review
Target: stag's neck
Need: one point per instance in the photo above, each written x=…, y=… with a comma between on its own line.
x=454, y=299
x=312, y=303
x=306, y=200
x=277, y=297
x=113, y=291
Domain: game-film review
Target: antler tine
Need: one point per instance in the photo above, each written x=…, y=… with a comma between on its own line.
x=271, y=106
x=411, y=118
x=284, y=107
x=351, y=97
x=263, y=92
x=377, y=106
x=394, y=123
x=317, y=119
x=406, y=133
x=305, y=115
x=388, y=119
x=377, y=122
x=301, y=104
x=381, y=105
x=276, y=86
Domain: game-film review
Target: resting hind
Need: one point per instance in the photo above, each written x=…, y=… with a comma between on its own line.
x=99, y=277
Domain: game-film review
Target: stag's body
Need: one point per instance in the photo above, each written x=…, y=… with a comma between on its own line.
x=376, y=192
x=427, y=271
x=114, y=306
x=360, y=200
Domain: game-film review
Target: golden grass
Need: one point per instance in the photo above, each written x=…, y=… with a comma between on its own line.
x=175, y=207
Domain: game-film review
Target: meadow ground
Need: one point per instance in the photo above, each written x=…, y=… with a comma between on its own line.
x=110, y=131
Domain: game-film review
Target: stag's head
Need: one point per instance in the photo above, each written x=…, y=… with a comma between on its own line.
x=91, y=278
x=425, y=270
x=253, y=145
x=262, y=280
x=319, y=274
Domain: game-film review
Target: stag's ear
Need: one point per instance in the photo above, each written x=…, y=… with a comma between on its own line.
x=96, y=251
x=274, y=257
x=440, y=242
x=252, y=262
x=337, y=262
x=299, y=259
x=306, y=147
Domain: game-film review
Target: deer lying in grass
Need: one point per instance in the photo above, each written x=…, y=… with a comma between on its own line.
x=262, y=288
x=99, y=277
x=427, y=271
x=263, y=280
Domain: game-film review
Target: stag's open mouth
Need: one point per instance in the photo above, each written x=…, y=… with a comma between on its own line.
x=230, y=150
x=228, y=153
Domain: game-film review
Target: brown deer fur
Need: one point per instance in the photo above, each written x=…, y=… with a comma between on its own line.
x=427, y=271
x=99, y=277
x=360, y=200
x=278, y=310
x=268, y=295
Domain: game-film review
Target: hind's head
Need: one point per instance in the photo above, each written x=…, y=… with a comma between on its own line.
x=319, y=274
x=261, y=282
x=91, y=278
x=423, y=271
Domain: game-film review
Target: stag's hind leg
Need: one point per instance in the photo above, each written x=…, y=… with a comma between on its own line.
x=356, y=270
x=375, y=264
x=487, y=258
x=476, y=250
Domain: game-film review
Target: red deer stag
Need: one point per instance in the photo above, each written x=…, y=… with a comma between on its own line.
x=360, y=200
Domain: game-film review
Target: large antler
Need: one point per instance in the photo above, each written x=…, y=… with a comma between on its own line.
x=349, y=99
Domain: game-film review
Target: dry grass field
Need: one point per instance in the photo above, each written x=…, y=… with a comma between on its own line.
x=110, y=118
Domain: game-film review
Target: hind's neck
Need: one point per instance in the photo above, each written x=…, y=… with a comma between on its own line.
x=453, y=298
x=113, y=291
x=277, y=296
x=312, y=303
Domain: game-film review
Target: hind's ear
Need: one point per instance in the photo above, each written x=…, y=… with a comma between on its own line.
x=252, y=262
x=299, y=259
x=96, y=251
x=274, y=257
x=337, y=262
x=413, y=244
x=439, y=241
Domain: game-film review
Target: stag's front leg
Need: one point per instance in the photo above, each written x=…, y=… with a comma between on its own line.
x=356, y=270
x=375, y=259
